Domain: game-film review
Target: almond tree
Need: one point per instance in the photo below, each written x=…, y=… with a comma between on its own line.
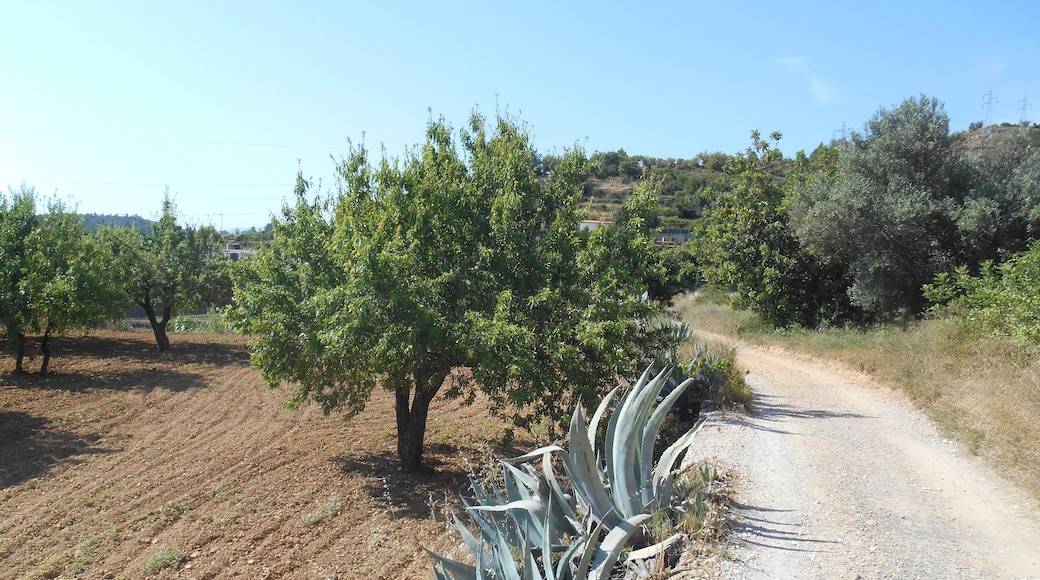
x=450, y=258
x=171, y=269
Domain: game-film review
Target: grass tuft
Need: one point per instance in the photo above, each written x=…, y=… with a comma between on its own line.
x=166, y=558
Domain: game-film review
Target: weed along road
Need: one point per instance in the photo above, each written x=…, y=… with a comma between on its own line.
x=837, y=477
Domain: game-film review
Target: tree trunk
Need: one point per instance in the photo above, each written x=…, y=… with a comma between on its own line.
x=158, y=326
x=411, y=421
x=45, y=347
x=21, y=354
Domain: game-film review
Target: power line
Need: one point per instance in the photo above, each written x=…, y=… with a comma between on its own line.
x=1025, y=108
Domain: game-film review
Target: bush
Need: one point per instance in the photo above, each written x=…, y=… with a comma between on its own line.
x=1003, y=299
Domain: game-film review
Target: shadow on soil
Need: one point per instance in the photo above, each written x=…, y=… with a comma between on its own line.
x=30, y=446
x=136, y=347
x=763, y=527
x=140, y=347
x=122, y=364
x=415, y=495
x=766, y=412
x=76, y=382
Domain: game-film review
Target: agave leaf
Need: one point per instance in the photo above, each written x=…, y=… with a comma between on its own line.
x=608, y=551
x=626, y=481
x=588, y=553
x=650, y=432
x=474, y=545
x=529, y=505
x=530, y=483
x=585, y=477
x=600, y=410
x=540, y=452
x=565, y=567
x=654, y=550
x=564, y=515
x=450, y=569
x=611, y=437
x=664, y=472
x=547, y=569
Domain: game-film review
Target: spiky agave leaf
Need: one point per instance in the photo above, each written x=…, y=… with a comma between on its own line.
x=585, y=475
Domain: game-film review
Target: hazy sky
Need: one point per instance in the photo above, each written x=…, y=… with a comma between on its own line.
x=106, y=103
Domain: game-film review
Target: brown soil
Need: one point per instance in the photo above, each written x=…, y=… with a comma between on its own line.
x=123, y=455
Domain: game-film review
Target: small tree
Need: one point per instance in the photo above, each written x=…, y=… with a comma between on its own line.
x=746, y=244
x=54, y=276
x=175, y=268
x=447, y=259
x=17, y=221
x=69, y=282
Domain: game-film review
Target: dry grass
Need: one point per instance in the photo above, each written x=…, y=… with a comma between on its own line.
x=982, y=391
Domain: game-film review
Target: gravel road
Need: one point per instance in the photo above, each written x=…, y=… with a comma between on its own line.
x=840, y=478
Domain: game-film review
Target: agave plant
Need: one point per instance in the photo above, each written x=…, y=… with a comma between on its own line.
x=533, y=528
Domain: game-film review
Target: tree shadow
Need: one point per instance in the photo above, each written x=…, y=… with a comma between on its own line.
x=31, y=446
x=769, y=407
x=139, y=347
x=443, y=477
x=410, y=495
x=763, y=527
x=145, y=380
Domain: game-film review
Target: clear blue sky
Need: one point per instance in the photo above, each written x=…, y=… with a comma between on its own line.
x=107, y=103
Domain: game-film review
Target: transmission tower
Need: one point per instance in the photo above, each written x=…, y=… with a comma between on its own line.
x=843, y=132
x=987, y=103
x=1025, y=104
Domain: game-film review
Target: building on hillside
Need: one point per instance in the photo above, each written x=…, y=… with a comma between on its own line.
x=674, y=237
x=237, y=252
x=601, y=221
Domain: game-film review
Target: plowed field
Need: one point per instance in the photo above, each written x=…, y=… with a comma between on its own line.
x=127, y=462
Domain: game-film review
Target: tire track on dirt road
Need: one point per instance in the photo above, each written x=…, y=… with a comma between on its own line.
x=841, y=478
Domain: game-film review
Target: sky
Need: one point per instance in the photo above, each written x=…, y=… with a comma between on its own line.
x=107, y=105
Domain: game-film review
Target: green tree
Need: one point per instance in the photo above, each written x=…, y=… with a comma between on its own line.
x=54, y=276
x=68, y=282
x=17, y=221
x=904, y=203
x=462, y=269
x=173, y=269
x=745, y=243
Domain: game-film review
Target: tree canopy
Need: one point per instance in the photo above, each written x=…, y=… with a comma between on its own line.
x=458, y=266
x=171, y=269
x=54, y=276
x=905, y=203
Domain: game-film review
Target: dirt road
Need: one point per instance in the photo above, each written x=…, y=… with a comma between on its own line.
x=842, y=478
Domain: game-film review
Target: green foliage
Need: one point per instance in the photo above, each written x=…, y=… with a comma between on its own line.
x=175, y=268
x=167, y=558
x=903, y=204
x=464, y=253
x=746, y=244
x=55, y=276
x=1003, y=299
x=581, y=531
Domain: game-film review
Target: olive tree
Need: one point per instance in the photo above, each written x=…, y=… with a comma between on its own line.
x=745, y=243
x=456, y=269
x=907, y=202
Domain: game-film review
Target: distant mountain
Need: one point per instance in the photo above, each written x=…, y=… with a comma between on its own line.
x=94, y=221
